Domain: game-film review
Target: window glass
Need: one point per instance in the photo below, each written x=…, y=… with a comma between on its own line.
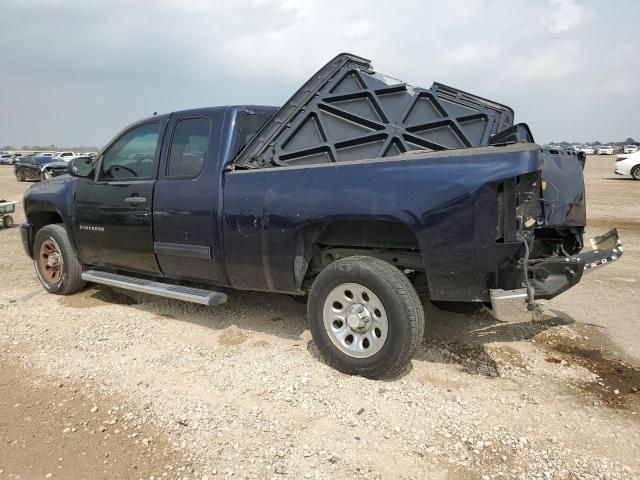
x=249, y=126
x=188, y=149
x=132, y=156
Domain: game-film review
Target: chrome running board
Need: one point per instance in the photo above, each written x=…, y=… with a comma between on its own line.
x=167, y=290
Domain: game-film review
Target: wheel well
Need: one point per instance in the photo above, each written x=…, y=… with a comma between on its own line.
x=42, y=219
x=319, y=245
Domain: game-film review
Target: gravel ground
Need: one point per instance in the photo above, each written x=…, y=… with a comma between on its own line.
x=240, y=391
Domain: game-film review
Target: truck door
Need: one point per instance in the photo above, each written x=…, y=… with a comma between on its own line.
x=113, y=211
x=186, y=199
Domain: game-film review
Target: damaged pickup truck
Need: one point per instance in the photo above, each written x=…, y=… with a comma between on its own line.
x=360, y=192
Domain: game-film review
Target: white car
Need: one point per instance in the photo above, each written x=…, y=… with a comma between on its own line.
x=587, y=150
x=66, y=156
x=628, y=165
x=631, y=148
x=606, y=150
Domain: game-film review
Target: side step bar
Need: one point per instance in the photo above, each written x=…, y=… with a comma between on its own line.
x=178, y=292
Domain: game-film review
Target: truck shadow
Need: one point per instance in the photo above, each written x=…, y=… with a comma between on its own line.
x=462, y=339
x=267, y=313
x=449, y=338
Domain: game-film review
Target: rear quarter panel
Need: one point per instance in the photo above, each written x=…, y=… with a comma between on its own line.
x=447, y=199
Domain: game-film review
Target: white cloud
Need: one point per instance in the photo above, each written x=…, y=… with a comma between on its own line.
x=472, y=54
x=566, y=15
x=549, y=64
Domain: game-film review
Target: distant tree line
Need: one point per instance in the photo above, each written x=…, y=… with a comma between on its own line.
x=49, y=148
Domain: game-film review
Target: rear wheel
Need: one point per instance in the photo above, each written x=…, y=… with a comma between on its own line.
x=7, y=221
x=635, y=172
x=20, y=176
x=365, y=317
x=56, y=263
x=46, y=174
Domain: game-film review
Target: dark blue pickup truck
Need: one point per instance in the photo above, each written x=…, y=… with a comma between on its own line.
x=360, y=193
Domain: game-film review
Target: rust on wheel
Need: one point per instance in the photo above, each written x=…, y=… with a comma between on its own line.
x=50, y=261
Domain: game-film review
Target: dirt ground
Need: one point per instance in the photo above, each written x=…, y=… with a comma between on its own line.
x=108, y=384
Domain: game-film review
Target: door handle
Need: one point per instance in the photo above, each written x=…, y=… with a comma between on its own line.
x=135, y=199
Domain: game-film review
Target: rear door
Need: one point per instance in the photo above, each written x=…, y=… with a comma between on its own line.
x=186, y=198
x=114, y=211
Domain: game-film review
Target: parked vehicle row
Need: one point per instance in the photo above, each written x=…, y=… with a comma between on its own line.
x=7, y=158
x=605, y=149
x=41, y=165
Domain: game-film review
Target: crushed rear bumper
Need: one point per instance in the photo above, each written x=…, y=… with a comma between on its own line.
x=551, y=276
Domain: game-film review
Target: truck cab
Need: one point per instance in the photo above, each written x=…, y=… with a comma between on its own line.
x=157, y=179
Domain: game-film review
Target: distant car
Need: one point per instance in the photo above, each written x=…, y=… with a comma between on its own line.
x=606, y=150
x=628, y=165
x=32, y=167
x=631, y=148
x=7, y=159
x=587, y=150
x=66, y=156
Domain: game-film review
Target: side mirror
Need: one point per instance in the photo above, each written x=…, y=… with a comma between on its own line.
x=80, y=167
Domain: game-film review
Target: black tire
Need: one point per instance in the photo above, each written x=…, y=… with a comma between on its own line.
x=403, y=312
x=7, y=221
x=20, y=176
x=43, y=175
x=635, y=172
x=69, y=280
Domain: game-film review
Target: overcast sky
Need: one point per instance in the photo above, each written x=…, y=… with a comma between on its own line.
x=76, y=71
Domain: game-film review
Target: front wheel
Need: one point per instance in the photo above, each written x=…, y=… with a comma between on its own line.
x=56, y=263
x=365, y=317
x=46, y=175
x=7, y=221
x=20, y=176
x=635, y=172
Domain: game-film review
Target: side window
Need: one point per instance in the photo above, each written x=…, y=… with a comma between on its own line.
x=249, y=126
x=188, y=149
x=132, y=156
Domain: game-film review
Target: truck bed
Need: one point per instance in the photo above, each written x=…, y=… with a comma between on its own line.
x=348, y=111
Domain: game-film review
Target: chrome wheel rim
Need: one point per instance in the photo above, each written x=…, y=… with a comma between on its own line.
x=47, y=174
x=355, y=320
x=50, y=262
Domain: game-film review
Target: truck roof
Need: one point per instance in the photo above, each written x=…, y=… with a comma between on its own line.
x=199, y=111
